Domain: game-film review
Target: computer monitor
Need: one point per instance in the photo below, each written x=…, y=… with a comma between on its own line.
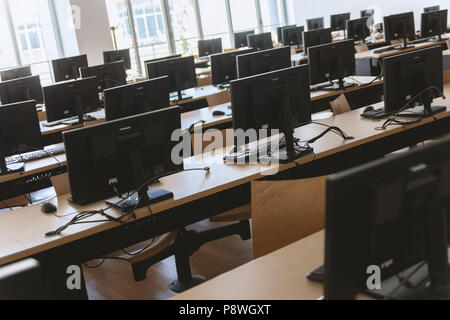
x=22, y=89
x=332, y=61
x=394, y=222
x=109, y=75
x=358, y=29
x=208, y=47
x=71, y=99
x=120, y=156
x=23, y=281
x=19, y=133
x=399, y=27
x=240, y=39
x=316, y=23
x=367, y=13
x=278, y=100
x=181, y=73
x=338, y=22
x=433, y=8
x=407, y=75
x=224, y=67
x=262, y=41
x=434, y=23
x=316, y=38
x=118, y=55
x=259, y=62
x=16, y=73
x=293, y=36
x=137, y=98
x=163, y=58
x=280, y=32
x=68, y=68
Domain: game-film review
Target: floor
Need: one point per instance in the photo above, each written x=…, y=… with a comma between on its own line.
x=114, y=280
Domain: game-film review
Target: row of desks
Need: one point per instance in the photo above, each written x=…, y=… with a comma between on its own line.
x=197, y=195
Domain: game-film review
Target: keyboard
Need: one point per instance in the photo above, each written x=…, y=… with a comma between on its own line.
x=386, y=49
x=317, y=275
x=68, y=121
x=375, y=114
x=37, y=155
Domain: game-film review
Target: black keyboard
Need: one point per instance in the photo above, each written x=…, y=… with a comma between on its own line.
x=37, y=155
x=317, y=275
x=375, y=114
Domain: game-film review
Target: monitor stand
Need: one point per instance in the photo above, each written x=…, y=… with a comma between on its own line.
x=224, y=86
x=420, y=111
x=180, y=97
x=145, y=196
x=10, y=168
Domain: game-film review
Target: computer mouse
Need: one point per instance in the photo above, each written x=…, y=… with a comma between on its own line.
x=368, y=109
x=48, y=208
x=218, y=113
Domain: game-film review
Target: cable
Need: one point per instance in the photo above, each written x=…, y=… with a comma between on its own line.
x=80, y=216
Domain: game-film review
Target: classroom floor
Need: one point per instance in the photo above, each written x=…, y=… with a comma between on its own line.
x=114, y=279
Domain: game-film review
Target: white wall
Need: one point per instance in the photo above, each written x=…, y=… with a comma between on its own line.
x=305, y=9
x=93, y=32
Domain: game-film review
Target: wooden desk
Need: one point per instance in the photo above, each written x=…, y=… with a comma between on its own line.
x=371, y=55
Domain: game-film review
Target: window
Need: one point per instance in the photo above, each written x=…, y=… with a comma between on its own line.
x=272, y=15
x=184, y=24
x=214, y=20
x=33, y=28
x=243, y=14
x=7, y=54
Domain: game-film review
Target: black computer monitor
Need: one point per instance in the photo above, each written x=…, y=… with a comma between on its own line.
x=22, y=89
x=395, y=221
x=224, y=67
x=332, y=61
x=240, y=39
x=181, y=73
x=367, y=13
x=293, y=36
x=259, y=62
x=338, y=21
x=407, y=75
x=261, y=41
x=399, y=27
x=68, y=68
x=109, y=75
x=316, y=23
x=71, y=99
x=23, y=281
x=137, y=98
x=118, y=55
x=278, y=100
x=19, y=133
x=316, y=38
x=208, y=47
x=358, y=30
x=120, y=156
x=433, y=8
x=280, y=32
x=163, y=58
x=15, y=73
x=434, y=23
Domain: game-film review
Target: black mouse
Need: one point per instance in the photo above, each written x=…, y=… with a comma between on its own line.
x=368, y=109
x=218, y=113
x=48, y=208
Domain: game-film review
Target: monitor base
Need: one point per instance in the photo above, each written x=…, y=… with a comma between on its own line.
x=13, y=168
x=420, y=112
x=224, y=86
x=417, y=288
x=155, y=195
x=181, y=286
x=282, y=157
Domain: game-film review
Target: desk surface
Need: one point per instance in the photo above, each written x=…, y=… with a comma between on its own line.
x=24, y=229
x=371, y=55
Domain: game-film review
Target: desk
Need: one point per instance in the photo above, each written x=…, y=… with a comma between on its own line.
x=365, y=60
x=197, y=196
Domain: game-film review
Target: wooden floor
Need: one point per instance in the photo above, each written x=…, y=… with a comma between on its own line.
x=114, y=279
